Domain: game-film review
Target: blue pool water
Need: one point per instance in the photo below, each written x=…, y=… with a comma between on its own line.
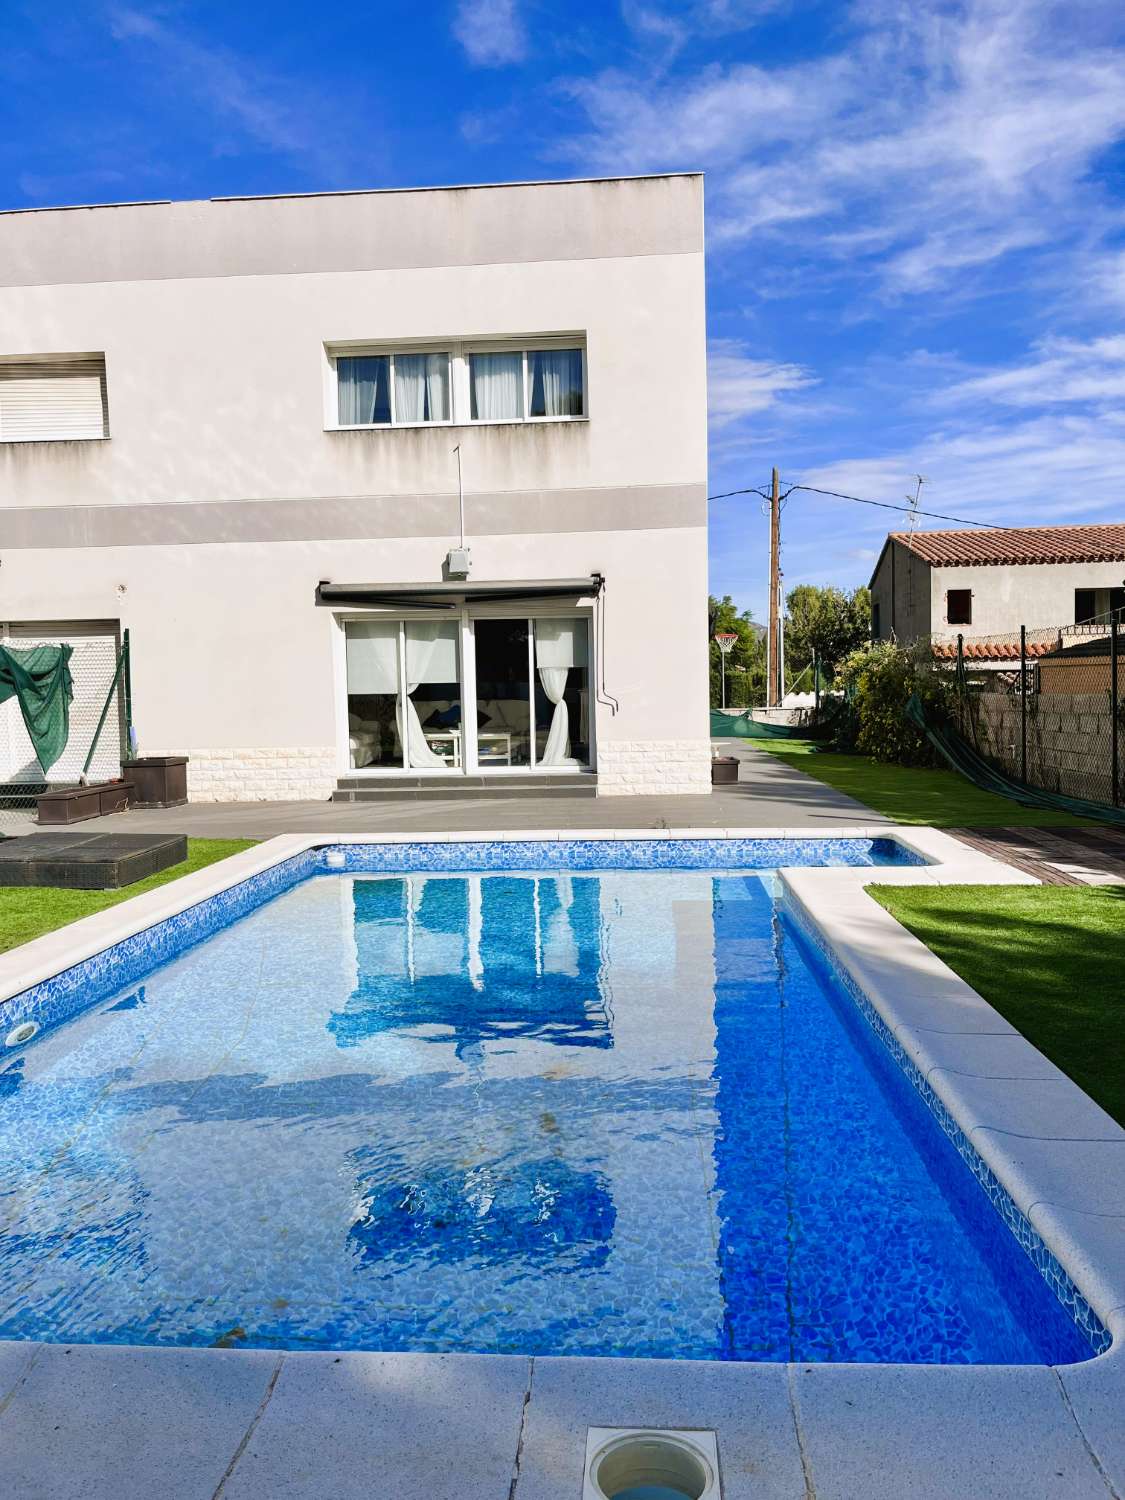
x=621, y=1113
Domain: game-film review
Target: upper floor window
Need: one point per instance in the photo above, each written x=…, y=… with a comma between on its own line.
x=464, y=383
x=959, y=606
x=53, y=398
x=378, y=389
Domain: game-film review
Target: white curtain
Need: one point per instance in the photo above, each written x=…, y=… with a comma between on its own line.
x=556, y=752
x=372, y=652
x=496, y=382
x=559, y=645
x=421, y=387
x=431, y=656
x=556, y=382
x=364, y=389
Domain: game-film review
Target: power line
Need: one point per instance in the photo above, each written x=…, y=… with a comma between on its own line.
x=936, y=515
x=812, y=489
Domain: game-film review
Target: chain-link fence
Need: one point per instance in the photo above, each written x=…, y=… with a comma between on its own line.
x=1045, y=705
x=98, y=722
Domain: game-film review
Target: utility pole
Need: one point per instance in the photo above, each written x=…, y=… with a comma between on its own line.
x=773, y=638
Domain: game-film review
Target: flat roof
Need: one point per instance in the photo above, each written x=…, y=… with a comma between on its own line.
x=446, y=187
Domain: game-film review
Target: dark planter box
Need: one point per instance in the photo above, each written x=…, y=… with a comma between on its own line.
x=74, y=804
x=724, y=770
x=160, y=780
x=83, y=860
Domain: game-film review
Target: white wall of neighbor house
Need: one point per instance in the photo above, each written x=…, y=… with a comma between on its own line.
x=221, y=498
x=1038, y=595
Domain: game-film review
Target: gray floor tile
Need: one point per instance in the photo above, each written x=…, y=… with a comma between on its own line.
x=399, y=1426
x=942, y=1433
x=94, y=1422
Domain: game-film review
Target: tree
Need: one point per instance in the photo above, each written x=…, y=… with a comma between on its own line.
x=827, y=622
x=746, y=664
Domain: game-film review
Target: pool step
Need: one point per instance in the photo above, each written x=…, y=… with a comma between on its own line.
x=433, y=789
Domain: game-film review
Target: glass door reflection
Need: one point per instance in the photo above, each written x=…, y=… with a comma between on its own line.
x=505, y=725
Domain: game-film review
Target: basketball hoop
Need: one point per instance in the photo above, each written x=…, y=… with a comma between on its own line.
x=725, y=640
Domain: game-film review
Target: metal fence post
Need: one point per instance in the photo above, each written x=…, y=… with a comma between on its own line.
x=1023, y=704
x=816, y=684
x=127, y=751
x=1115, y=773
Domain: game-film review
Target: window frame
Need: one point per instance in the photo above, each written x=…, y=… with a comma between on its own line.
x=63, y=366
x=457, y=352
x=467, y=614
x=387, y=352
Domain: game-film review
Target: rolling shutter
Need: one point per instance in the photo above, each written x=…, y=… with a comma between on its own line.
x=51, y=399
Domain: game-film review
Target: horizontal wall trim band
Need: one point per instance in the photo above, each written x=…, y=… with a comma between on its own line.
x=354, y=517
x=617, y=219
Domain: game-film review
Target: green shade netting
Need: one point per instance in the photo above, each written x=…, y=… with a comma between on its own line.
x=740, y=726
x=40, y=679
x=961, y=756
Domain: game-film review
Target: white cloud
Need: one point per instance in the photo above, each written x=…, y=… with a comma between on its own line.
x=1062, y=372
x=738, y=385
x=1043, y=470
x=936, y=141
x=491, y=32
x=243, y=98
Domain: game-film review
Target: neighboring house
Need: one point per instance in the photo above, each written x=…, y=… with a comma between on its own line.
x=237, y=428
x=989, y=582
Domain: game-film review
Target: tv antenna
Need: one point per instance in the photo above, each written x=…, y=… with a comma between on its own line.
x=914, y=501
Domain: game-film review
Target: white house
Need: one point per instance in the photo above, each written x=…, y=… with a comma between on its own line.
x=389, y=488
x=988, y=582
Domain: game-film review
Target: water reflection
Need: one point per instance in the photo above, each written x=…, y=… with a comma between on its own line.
x=543, y=1212
x=469, y=960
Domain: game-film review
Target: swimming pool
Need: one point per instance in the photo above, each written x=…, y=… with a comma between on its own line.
x=606, y=1110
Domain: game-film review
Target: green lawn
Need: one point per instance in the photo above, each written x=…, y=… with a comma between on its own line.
x=941, y=799
x=1049, y=958
x=27, y=912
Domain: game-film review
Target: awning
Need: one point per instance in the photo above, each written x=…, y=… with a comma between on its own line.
x=452, y=595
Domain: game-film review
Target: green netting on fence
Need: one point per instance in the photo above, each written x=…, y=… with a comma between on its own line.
x=39, y=678
x=962, y=757
x=740, y=726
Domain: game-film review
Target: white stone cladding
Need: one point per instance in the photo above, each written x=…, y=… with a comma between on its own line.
x=263, y=774
x=654, y=767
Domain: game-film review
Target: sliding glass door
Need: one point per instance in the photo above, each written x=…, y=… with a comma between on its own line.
x=533, y=701
x=372, y=652
x=504, y=705
x=404, y=695
x=562, y=714
x=528, y=681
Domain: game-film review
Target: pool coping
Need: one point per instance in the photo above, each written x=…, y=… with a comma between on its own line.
x=1058, y=1156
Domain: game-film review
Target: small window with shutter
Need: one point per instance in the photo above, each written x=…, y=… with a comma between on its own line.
x=56, y=398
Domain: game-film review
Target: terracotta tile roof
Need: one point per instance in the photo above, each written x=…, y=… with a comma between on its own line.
x=991, y=650
x=1023, y=544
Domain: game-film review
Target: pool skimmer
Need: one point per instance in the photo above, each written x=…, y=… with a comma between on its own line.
x=621, y=1461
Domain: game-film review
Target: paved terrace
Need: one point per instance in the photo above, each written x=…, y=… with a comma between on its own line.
x=769, y=794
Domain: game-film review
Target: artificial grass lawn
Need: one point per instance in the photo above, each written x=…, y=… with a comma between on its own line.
x=27, y=912
x=910, y=794
x=1049, y=958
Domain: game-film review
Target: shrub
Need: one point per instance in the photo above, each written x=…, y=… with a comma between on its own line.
x=878, y=680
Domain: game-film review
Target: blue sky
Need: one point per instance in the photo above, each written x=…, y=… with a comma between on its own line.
x=916, y=211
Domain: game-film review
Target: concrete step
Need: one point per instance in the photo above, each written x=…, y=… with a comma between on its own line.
x=459, y=788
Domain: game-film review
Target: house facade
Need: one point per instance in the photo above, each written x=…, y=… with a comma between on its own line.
x=388, y=488
x=990, y=581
